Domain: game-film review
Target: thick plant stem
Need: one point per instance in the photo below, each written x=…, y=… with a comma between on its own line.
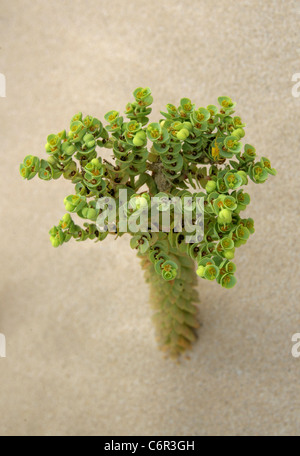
x=174, y=304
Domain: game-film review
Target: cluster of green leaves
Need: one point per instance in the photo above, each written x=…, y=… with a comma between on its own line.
x=198, y=148
x=224, y=231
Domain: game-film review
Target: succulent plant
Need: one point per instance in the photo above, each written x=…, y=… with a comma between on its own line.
x=191, y=152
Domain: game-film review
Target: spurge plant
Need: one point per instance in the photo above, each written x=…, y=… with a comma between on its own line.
x=192, y=152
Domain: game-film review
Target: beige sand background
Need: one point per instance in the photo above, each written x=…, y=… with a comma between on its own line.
x=81, y=355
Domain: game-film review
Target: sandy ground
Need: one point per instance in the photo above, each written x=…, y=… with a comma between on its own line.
x=81, y=355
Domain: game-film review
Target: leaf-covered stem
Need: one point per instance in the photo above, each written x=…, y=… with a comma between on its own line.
x=174, y=304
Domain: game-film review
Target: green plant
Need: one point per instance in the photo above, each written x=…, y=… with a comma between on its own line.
x=191, y=148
